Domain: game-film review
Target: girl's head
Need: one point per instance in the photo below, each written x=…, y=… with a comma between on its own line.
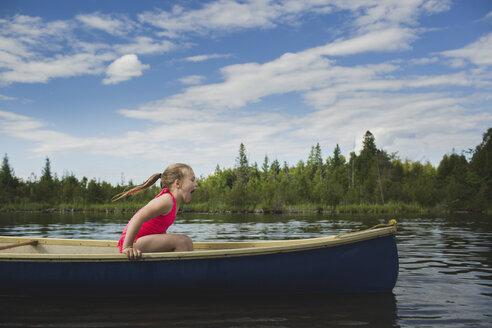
x=173, y=173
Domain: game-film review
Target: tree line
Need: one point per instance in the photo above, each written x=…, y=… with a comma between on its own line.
x=50, y=191
x=372, y=178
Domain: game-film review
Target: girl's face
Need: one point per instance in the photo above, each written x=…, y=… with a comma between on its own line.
x=188, y=186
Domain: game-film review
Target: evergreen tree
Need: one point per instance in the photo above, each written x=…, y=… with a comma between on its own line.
x=239, y=191
x=45, y=191
x=366, y=170
x=274, y=170
x=46, y=172
x=315, y=163
x=338, y=160
x=369, y=144
x=8, y=182
x=242, y=167
x=264, y=168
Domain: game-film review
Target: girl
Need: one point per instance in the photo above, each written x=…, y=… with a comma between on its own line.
x=146, y=231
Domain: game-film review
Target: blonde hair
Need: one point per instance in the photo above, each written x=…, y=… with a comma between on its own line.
x=172, y=173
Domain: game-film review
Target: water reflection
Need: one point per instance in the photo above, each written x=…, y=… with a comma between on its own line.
x=377, y=310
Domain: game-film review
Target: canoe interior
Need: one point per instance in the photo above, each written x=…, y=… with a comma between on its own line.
x=108, y=248
x=84, y=246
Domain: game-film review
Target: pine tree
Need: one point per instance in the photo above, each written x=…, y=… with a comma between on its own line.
x=275, y=170
x=338, y=159
x=45, y=191
x=8, y=182
x=242, y=166
x=315, y=163
x=264, y=168
x=369, y=144
x=46, y=172
x=239, y=191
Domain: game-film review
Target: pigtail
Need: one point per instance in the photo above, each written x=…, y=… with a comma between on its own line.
x=147, y=184
x=172, y=173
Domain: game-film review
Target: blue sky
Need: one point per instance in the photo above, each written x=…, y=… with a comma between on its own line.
x=120, y=89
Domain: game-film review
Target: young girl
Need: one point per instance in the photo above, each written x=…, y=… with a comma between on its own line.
x=146, y=231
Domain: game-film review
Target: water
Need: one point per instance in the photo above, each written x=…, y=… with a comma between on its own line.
x=445, y=276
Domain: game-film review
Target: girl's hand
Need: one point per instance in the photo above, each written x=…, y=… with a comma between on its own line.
x=132, y=253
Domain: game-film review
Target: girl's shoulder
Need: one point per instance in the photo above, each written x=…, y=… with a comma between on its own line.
x=164, y=198
x=163, y=204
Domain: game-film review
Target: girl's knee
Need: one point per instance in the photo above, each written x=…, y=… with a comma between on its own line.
x=184, y=243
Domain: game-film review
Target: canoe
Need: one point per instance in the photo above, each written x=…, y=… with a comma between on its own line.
x=356, y=262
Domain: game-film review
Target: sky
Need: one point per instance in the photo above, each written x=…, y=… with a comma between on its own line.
x=118, y=90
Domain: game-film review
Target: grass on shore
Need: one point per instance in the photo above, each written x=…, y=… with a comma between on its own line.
x=76, y=207
x=132, y=206
x=315, y=208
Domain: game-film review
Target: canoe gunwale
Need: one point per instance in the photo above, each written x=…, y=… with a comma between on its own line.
x=204, y=250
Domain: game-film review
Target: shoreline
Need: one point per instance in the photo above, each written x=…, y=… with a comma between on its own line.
x=356, y=209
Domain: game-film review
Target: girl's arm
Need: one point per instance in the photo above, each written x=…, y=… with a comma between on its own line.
x=158, y=206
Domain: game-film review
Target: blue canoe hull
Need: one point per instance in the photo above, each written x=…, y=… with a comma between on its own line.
x=359, y=267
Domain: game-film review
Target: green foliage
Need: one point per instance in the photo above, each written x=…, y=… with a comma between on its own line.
x=9, y=184
x=371, y=181
x=480, y=173
x=242, y=168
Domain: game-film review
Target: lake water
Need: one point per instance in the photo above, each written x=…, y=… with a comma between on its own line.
x=445, y=276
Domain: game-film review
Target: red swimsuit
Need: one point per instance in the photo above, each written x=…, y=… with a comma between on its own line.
x=157, y=225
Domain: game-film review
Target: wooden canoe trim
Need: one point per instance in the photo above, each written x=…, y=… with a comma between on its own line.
x=31, y=242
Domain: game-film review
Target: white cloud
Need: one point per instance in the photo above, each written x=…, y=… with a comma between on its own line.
x=113, y=25
x=436, y=6
x=3, y=97
x=123, y=69
x=219, y=15
x=347, y=102
x=11, y=50
x=192, y=79
x=35, y=51
x=478, y=52
x=49, y=141
x=225, y=15
x=424, y=61
x=33, y=30
x=27, y=128
x=200, y=58
x=143, y=45
x=383, y=14
x=391, y=39
x=62, y=66
x=292, y=72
